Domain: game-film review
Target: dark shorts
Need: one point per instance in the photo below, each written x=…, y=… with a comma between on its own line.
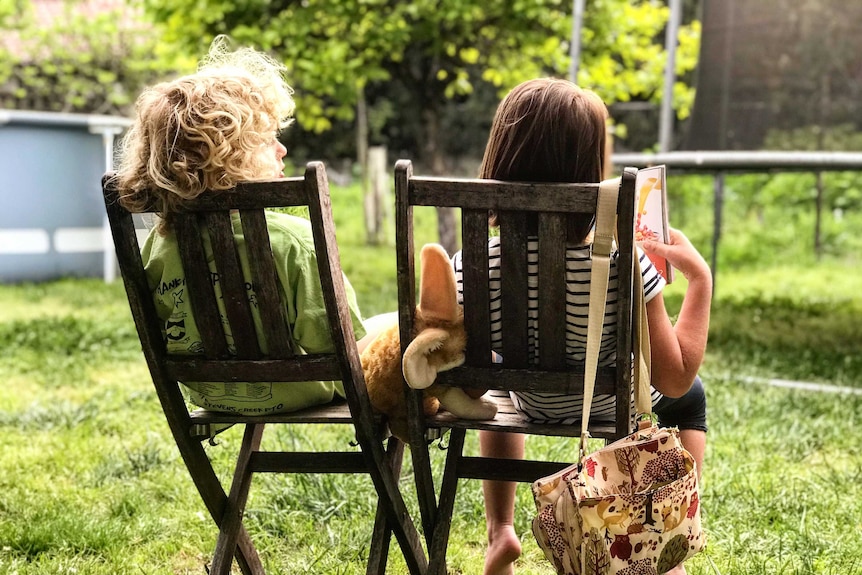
x=686, y=412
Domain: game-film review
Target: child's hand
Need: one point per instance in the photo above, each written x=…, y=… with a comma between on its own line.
x=681, y=255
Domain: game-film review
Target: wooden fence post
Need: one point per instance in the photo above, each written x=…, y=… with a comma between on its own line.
x=377, y=195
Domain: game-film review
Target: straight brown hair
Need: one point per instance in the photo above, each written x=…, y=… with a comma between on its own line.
x=548, y=130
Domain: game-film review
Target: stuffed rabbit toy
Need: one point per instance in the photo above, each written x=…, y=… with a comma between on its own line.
x=438, y=344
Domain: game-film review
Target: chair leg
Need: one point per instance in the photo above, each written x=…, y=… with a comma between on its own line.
x=246, y=555
x=446, y=506
x=380, y=538
x=424, y=481
x=423, y=476
x=392, y=502
x=382, y=534
x=210, y=489
x=231, y=521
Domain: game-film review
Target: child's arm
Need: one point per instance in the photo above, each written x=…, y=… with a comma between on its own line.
x=677, y=350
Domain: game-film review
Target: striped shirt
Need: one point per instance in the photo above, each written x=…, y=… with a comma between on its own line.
x=545, y=407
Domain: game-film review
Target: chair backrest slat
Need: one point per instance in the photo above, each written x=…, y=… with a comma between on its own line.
x=199, y=281
x=230, y=279
x=477, y=311
x=552, y=259
x=265, y=284
x=514, y=285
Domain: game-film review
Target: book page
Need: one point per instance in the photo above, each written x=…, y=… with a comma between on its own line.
x=651, y=216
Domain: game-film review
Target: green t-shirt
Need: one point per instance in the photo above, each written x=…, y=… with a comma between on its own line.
x=296, y=266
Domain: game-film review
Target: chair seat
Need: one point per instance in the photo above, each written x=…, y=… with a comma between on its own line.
x=508, y=419
x=205, y=423
x=334, y=412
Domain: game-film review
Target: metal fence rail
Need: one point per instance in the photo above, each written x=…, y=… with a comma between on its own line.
x=754, y=161
x=720, y=163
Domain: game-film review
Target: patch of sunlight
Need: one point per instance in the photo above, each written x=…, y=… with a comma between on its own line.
x=832, y=460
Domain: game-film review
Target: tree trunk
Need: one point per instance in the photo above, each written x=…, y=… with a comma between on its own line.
x=434, y=155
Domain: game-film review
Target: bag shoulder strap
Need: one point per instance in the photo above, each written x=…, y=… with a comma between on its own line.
x=606, y=218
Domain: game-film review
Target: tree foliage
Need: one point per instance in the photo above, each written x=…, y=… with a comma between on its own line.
x=82, y=61
x=436, y=50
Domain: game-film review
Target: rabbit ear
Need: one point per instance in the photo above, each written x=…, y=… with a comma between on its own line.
x=438, y=297
x=418, y=371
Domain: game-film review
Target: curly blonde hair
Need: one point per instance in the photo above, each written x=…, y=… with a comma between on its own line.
x=203, y=131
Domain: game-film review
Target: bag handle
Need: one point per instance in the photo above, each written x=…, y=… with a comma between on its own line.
x=603, y=241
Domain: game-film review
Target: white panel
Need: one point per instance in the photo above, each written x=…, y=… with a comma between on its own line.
x=24, y=241
x=77, y=240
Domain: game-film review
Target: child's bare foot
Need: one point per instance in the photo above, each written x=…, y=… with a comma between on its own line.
x=678, y=570
x=504, y=548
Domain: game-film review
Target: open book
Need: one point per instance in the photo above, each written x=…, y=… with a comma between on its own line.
x=651, y=216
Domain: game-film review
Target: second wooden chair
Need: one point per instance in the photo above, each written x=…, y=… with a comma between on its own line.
x=529, y=310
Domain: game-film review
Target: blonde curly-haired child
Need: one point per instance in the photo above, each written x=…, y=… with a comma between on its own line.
x=207, y=131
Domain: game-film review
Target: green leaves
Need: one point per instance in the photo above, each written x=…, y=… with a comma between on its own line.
x=437, y=48
x=80, y=62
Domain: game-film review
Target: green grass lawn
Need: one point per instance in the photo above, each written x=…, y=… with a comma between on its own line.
x=91, y=483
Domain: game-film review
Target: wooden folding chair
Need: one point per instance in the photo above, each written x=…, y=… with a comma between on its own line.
x=517, y=204
x=210, y=214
